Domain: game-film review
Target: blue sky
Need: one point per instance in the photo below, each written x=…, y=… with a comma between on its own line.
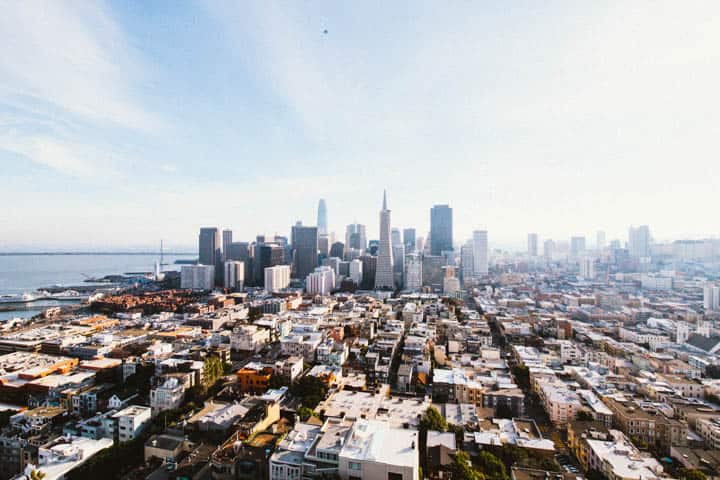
x=125, y=122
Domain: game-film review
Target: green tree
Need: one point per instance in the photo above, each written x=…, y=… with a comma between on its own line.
x=594, y=475
x=492, y=467
x=432, y=420
x=311, y=390
x=692, y=474
x=37, y=475
x=212, y=371
x=304, y=413
x=461, y=468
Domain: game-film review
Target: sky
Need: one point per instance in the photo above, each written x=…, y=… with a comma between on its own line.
x=123, y=123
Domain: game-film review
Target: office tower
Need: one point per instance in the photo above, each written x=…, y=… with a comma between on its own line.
x=441, y=229
x=420, y=244
x=356, y=271
x=234, y=275
x=305, y=249
x=324, y=246
x=369, y=266
x=480, y=252
x=587, y=268
x=337, y=250
x=266, y=255
x=398, y=254
x=451, y=284
x=409, y=239
x=355, y=237
x=373, y=246
x=276, y=278
x=577, y=247
x=240, y=251
x=413, y=272
x=210, y=251
x=432, y=271
x=467, y=262
x=321, y=281
x=532, y=244
x=711, y=297
x=322, y=218
x=600, y=240
x=384, y=277
x=332, y=262
x=285, y=244
x=549, y=249
x=639, y=242
x=343, y=270
x=227, y=238
x=197, y=277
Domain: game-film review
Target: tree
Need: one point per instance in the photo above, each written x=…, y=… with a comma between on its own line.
x=461, y=468
x=311, y=390
x=212, y=370
x=492, y=467
x=37, y=475
x=692, y=474
x=304, y=413
x=595, y=475
x=432, y=420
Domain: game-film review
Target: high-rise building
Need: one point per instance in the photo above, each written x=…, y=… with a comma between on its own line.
x=384, y=278
x=337, y=249
x=322, y=218
x=420, y=244
x=324, y=246
x=369, y=267
x=433, y=271
x=227, y=238
x=210, y=251
x=467, y=262
x=600, y=240
x=276, y=278
x=441, y=229
x=197, y=277
x=587, y=268
x=549, y=249
x=305, y=249
x=409, y=239
x=577, y=247
x=356, y=271
x=234, y=275
x=321, y=281
x=532, y=244
x=639, y=242
x=355, y=237
x=266, y=255
x=398, y=254
x=413, y=272
x=240, y=251
x=480, y=252
x=711, y=297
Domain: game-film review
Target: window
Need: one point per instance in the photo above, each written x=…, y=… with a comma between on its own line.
x=395, y=476
x=354, y=466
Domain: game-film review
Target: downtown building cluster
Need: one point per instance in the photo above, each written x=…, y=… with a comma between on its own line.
x=399, y=359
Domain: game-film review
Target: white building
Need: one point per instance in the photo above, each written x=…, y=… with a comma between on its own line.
x=711, y=297
x=374, y=450
x=587, y=268
x=619, y=459
x=167, y=396
x=356, y=271
x=480, y=252
x=413, y=271
x=277, y=278
x=58, y=457
x=303, y=345
x=249, y=338
x=467, y=262
x=532, y=244
x=128, y=423
x=234, y=275
x=197, y=277
x=321, y=281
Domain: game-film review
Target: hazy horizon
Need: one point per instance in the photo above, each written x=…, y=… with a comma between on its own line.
x=123, y=123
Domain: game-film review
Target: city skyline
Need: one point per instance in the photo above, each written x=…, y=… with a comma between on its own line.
x=126, y=142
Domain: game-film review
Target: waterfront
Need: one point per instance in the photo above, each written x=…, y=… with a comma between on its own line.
x=24, y=273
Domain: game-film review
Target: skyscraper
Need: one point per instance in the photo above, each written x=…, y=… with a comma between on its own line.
x=266, y=255
x=234, y=275
x=210, y=251
x=441, y=229
x=409, y=239
x=639, y=242
x=305, y=250
x=384, y=278
x=480, y=252
x=226, y=241
x=337, y=249
x=355, y=237
x=532, y=244
x=413, y=272
x=322, y=218
x=600, y=240
x=549, y=249
x=240, y=251
x=467, y=262
x=577, y=247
